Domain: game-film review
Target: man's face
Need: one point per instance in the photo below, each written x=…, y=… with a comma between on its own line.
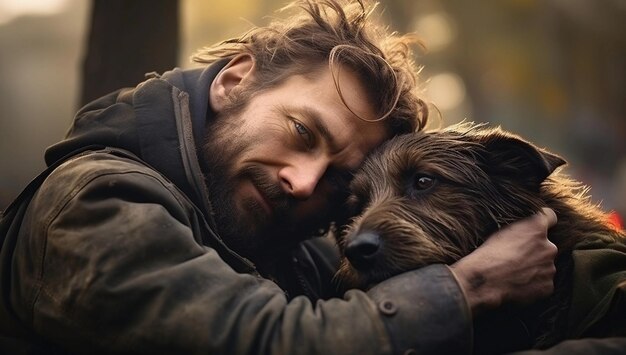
x=279, y=167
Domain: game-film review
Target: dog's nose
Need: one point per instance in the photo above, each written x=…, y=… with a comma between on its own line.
x=362, y=250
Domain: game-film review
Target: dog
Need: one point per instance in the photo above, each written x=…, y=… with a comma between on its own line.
x=433, y=197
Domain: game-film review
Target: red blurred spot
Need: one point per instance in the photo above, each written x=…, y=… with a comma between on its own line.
x=615, y=221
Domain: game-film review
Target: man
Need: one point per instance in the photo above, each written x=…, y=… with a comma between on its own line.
x=173, y=215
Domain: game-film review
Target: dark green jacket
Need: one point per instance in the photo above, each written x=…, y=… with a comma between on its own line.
x=595, y=319
x=117, y=253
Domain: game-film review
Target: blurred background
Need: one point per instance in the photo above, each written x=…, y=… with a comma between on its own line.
x=552, y=71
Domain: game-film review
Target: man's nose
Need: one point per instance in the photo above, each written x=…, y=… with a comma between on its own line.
x=300, y=180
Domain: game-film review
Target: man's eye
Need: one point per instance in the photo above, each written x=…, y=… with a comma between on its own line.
x=304, y=132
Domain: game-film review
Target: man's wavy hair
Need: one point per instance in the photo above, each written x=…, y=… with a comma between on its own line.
x=329, y=31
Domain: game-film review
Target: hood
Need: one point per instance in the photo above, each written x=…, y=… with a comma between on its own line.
x=162, y=120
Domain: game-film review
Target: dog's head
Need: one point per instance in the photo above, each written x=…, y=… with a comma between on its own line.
x=432, y=197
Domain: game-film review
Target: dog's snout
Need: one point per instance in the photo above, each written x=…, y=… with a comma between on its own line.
x=363, y=249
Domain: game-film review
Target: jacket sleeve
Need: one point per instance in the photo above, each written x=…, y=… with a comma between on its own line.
x=110, y=262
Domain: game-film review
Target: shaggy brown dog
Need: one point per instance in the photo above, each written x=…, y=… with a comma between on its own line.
x=433, y=197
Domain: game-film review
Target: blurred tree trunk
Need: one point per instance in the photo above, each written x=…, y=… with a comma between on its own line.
x=128, y=39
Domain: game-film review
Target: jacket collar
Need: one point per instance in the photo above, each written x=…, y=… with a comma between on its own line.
x=197, y=82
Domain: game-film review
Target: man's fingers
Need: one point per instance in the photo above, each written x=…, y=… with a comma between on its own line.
x=551, y=219
x=550, y=216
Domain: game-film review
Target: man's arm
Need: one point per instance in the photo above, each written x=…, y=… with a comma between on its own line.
x=515, y=265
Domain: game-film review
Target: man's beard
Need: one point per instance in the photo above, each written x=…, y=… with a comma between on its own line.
x=247, y=229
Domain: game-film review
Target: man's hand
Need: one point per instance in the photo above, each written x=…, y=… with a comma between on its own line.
x=514, y=265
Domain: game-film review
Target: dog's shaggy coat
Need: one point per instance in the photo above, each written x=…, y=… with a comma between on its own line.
x=432, y=197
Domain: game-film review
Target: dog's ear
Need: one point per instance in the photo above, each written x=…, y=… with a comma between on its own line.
x=515, y=158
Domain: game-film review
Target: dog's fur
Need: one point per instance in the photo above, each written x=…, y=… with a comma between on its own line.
x=433, y=197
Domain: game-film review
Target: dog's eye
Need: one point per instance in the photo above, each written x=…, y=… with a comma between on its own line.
x=423, y=182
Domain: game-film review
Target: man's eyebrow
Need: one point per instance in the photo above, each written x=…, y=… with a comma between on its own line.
x=314, y=116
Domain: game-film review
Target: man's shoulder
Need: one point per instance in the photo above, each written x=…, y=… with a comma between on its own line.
x=106, y=170
x=94, y=163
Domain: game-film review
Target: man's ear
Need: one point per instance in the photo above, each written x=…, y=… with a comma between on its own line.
x=516, y=159
x=235, y=73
